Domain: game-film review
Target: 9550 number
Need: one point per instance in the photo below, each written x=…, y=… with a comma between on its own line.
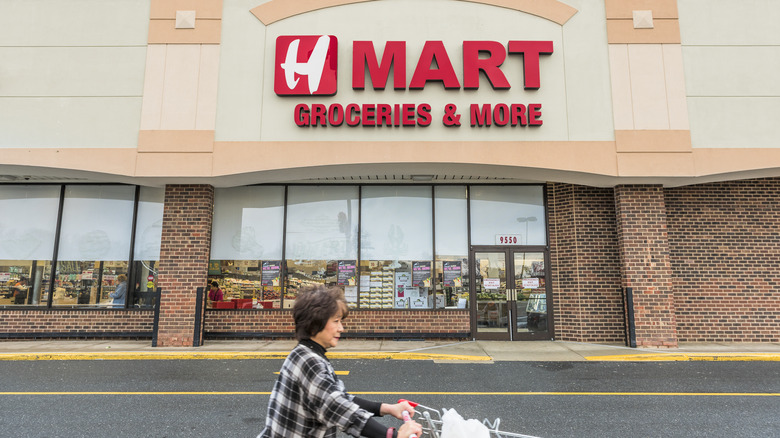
x=507, y=239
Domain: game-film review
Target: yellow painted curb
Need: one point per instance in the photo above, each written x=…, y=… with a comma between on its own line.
x=405, y=356
x=191, y=355
x=689, y=357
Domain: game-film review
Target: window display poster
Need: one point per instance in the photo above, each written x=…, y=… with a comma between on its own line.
x=365, y=282
x=271, y=273
x=347, y=275
x=452, y=274
x=403, y=281
x=530, y=283
x=418, y=297
x=351, y=294
x=214, y=267
x=492, y=283
x=421, y=274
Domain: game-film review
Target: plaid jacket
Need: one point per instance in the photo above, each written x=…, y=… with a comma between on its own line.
x=309, y=401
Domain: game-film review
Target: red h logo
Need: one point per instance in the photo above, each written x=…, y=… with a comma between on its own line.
x=313, y=58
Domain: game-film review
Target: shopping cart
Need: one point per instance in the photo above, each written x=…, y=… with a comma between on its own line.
x=431, y=421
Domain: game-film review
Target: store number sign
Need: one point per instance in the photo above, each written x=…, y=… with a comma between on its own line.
x=508, y=239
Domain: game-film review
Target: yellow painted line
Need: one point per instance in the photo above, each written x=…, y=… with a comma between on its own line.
x=138, y=393
x=192, y=355
x=665, y=394
x=682, y=357
x=141, y=355
x=542, y=393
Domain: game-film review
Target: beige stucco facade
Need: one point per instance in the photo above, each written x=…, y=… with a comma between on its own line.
x=147, y=92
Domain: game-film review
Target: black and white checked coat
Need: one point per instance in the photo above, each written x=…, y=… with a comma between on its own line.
x=309, y=401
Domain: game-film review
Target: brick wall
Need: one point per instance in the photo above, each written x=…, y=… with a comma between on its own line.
x=724, y=241
x=585, y=271
x=76, y=323
x=644, y=251
x=382, y=322
x=184, y=258
x=563, y=260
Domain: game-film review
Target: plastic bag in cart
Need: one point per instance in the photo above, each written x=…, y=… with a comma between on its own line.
x=454, y=426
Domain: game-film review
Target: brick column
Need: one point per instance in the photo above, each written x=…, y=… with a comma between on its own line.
x=585, y=264
x=184, y=258
x=644, y=253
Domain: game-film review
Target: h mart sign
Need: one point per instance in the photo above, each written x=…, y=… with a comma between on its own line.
x=307, y=65
x=316, y=59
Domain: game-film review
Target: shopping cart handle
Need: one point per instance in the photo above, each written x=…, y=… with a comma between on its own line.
x=411, y=403
x=405, y=414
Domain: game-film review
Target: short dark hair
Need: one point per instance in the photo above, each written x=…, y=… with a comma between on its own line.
x=214, y=283
x=314, y=306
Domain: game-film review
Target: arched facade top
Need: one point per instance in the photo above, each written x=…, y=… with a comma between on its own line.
x=276, y=10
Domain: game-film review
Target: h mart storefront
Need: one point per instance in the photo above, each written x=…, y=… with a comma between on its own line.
x=395, y=249
x=461, y=169
x=414, y=260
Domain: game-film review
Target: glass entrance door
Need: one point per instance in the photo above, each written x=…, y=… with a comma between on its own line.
x=509, y=294
x=531, y=295
x=492, y=297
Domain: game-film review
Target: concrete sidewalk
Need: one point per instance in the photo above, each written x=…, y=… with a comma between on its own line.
x=439, y=351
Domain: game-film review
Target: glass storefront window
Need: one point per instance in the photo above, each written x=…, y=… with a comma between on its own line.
x=302, y=273
x=321, y=239
x=396, y=284
x=146, y=253
x=24, y=282
x=144, y=283
x=396, y=223
x=322, y=222
x=247, y=284
x=396, y=247
x=246, y=246
x=248, y=223
x=90, y=283
x=27, y=229
x=112, y=290
x=94, y=243
x=512, y=211
x=400, y=264
x=451, y=247
x=452, y=282
x=331, y=273
x=241, y=284
x=93, y=250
